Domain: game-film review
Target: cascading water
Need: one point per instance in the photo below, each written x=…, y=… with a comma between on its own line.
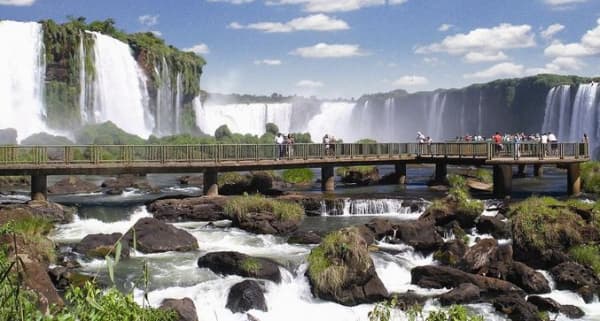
x=389, y=127
x=557, y=115
x=480, y=114
x=584, y=118
x=178, y=103
x=82, y=82
x=120, y=93
x=351, y=207
x=435, y=116
x=164, y=100
x=333, y=119
x=22, y=72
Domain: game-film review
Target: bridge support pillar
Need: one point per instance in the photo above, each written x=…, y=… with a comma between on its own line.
x=39, y=190
x=502, y=180
x=573, y=179
x=521, y=172
x=538, y=170
x=327, y=179
x=401, y=173
x=441, y=171
x=210, y=185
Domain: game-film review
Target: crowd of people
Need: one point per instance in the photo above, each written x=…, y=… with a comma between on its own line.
x=285, y=145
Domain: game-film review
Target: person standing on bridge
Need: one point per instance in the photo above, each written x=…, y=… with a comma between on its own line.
x=280, y=147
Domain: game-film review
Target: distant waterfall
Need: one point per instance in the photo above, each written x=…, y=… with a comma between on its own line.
x=164, y=100
x=480, y=114
x=557, y=115
x=22, y=72
x=389, y=128
x=333, y=119
x=435, y=120
x=351, y=207
x=120, y=93
x=178, y=103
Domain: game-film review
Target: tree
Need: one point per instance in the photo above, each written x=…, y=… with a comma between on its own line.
x=222, y=132
x=272, y=128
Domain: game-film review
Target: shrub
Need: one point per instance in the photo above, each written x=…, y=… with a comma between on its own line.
x=459, y=191
x=222, y=132
x=590, y=174
x=588, y=255
x=272, y=128
x=251, y=265
x=298, y=176
x=232, y=178
x=246, y=205
x=383, y=312
x=363, y=170
x=484, y=175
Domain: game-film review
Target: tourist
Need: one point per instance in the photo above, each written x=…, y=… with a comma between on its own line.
x=280, y=145
x=497, y=138
x=585, y=139
x=289, y=142
x=544, y=141
x=553, y=142
x=517, y=141
x=420, y=138
x=332, y=144
x=326, y=144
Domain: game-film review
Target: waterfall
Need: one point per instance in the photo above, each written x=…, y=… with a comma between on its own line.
x=164, y=101
x=82, y=81
x=333, y=119
x=178, y=103
x=22, y=72
x=480, y=114
x=349, y=207
x=584, y=117
x=435, y=117
x=120, y=93
x=388, y=130
x=556, y=115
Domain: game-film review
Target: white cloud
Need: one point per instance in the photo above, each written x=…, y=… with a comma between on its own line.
x=445, y=27
x=589, y=45
x=270, y=62
x=316, y=22
x=323, y=50
x=199, y=49
x=16, y=2
x=505, y=69
x=434, y=61
x=410, y=81
x=309, y=84
x=477, y=57
x=232, y=1
x=156, y=33
x=561, y=4
x=559, y=65
x=552, y=29
x=503, y=36
x=334, y=5
x=148, y=20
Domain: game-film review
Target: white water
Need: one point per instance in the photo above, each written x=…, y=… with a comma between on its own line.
x=22, y=72
x=82, y=82
x=435, y=118
x=120, y=93
x=178, y=103
x=592, y=310
x=480, y=114
x=392, y=207
x=557, y=114
x=333, y=119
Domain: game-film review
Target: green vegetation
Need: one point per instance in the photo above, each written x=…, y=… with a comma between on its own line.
x=363, y=170
x=590, y=174
x=298, y=176
x=34, y=231
x=46, y=139
x=383, y=312
x=106, y=134
x=459, y=191
x=366, y=141
x=232, y=178
x=588, y=255
x=272, y=128
x=247, y=205
x=251, y=265
x=484, y=175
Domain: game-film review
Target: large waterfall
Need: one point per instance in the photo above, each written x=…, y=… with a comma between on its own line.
x=22, y=77
x=120, y=93
x=435, y=120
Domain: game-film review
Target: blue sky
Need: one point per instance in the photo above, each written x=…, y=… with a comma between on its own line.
x=345, y=48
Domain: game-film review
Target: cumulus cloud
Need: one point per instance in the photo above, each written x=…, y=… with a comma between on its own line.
x=589, y=45
x=199, y=49
x=410, y=81
x=501, y=37
x=434, y=61
x=324, y=50
x=334, y=5
x=232, y=1
x=148, y=20
x=156, y=33
x=552, y=29
x=559, y=65
x=445, y=27
x=477, y=57
x=505, y=69
x=16, y=2
x=316, y=22
x=269, y=62
x=309, y=84
x=563, y=4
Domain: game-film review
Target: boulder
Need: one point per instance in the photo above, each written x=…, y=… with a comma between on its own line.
x=419, y=234
x=572, y=311
x=63, y=278
x=235, y=263
x=154, y=236
x=451, y=252
x=527, y=278
x=449, y=210
x=99, y=245
x=36, y=278
x=381, y=228
x=204, y=209
x=360, y=177
x=465, y=293
x=53, y=212
x=73, y=185
x=487, y=258
x=185, y=308
x=548, y=304
x=310, y=203
x=115, y=186
x=265, y=221
x=261, y=182
x=516, y=308
x=576, y=277
x=409, y=299
x=304, y=237
x=246, y=295
x=493, y=225
x=193, y=180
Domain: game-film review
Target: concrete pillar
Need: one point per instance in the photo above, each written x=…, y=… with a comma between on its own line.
x=441, y=171
x=521, y=172
x=573, y=179
x=538, y=170
x=210, y=185
x=327, y=179
x=39, y=190
x=502, y=180
x=401, y=173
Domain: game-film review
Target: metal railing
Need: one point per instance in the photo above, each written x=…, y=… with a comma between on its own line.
x=131, y=154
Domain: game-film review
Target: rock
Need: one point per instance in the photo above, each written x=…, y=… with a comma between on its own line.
x=261, y=182
x=204, y=209
x=53, y=212
x=449, y=211
x=419, y=234
x=361, y=178
x=8, y=136
x=516, y=308
x=99, y=245
x=185, y=308
x=451, y=252
x=381, y=228
x=409, y=299
x=154, y=236
x=527, y=278
x=63, y=278
x=228, y=263
x=36, y=278
x=494, y=226
x=73, y=185
x=487, y=258
x=433, y=276
x=265, y=221
x=544, y=304
x=575, y=277
x=465, y=293
x=193, y=180
x=117, y=185
x=304, y=237
x=246, y=295
x=310, y=203
x=341, y=270
x=572, y=311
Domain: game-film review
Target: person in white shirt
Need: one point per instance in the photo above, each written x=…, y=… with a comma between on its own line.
x=553, y=142
x=544, y=142
x=281, y=148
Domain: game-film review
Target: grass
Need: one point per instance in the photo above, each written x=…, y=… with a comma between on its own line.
x=298, y=176
x=590, y=174
x=459, y=191
x=231, y=178
x=251, y=265
x=484, y=175
x=34, y=230
x=363, y=170
x=246, y=205
x=588, y=255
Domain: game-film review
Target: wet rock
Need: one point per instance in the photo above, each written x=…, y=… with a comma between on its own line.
x=310, y=203
x=419, y=234
x=487, y=258
x=572, y=311
x=99, y=245
x=246, y=295
x=361, y=178
x=185, y=308
x=381, y=228
x=493, y=225
x=265, y=221
x=451, y=252
x=193, y=180
x=235, y=263
x=73, y=185
x=63, y=278
x=516, y=308
x=304, y=237
x=465, y=293
x=35, y=277
x=576, y=277
x=409, y=299
x=53, y=212
x=548, y=304
x=116, y=186
x=204, y=209
x=450, y=211
x=527, y=278
x=154, y=236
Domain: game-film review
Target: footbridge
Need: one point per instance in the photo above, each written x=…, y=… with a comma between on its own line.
x=42, y=161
